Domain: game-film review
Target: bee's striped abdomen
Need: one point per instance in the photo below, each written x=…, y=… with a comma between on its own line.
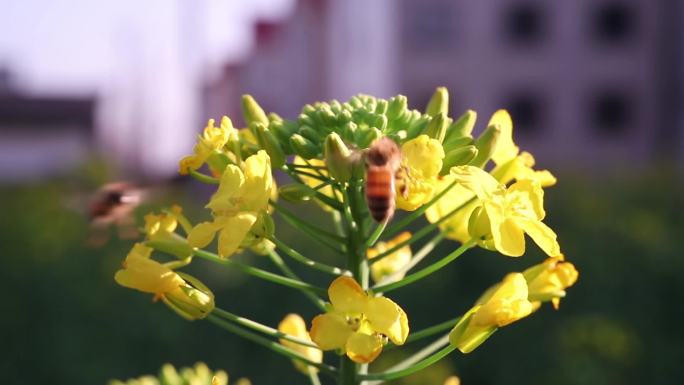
x=380, y=192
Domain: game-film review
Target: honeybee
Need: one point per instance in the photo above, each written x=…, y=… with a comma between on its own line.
x=113, y=203
x=383, y=167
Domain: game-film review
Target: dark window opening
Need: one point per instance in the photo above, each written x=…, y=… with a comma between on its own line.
x=611, y=112
x=527, y=111
x=614, y=23
x=524, y=24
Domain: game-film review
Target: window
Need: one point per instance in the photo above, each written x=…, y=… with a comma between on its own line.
x=613, y=23
x=527, y=109
x=524, y=23
x=611, y=111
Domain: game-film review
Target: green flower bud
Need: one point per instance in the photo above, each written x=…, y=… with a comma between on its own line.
x=458, y=157
x=367, y=136
x=437, y=127
x=328, y=117
x=311, y=134
x=303, y=147
x=296, y=192
x=439, y=102
x=380, y=122
x=270, y=143
x=192, y=300
x=252, y=112
x=273, y=117
x=335, y=106
x=486, y=145
x=343, y=117
x=396, y=106
x=455, y=143
x=337, y=157
x=381, y=108
x=305, y=120
x=462, y=127
x=264, y=227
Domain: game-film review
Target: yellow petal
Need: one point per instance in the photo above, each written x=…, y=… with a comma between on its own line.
x=505, y=148
x=541, y=234
x=294, y=325
x=476, y=180
x=330, y=331
x=423, y=156
x=230, y=188
x=203, y=233
x=508, y=238
x=386, y=317
x=363, y=348
x=233, y=232
x=147, y=275
x=347, y=296
x=258, y=182
x=392, y=263
x=507, y=303
x=531, y=194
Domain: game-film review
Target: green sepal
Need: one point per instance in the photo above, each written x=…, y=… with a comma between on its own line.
x=437, y=127
x=463, y=126
x=458, y=157
x=252, y=112
x=486, y=145
x=439, y=102
x=304, y=147
x=270, y=143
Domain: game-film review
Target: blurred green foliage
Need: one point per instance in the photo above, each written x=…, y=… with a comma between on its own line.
x=65, y=321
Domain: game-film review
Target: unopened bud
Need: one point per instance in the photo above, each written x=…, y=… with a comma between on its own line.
x=192, y=300
x=486, y=145
x=303, y=147
x=252, y=112
x=439, y=102
x=437, y=127
x=466, y=337
x=463, y=126
x=337, y=158
x=458, y=157
x=396, y=106
x=270, y=143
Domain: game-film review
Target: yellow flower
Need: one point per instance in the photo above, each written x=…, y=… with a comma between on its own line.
x=510, y=164
x=183, y=293
x=237, y=204
x=314, y=182
x=392, y=263
x=160, y=230
x=456, y=226
x=212, y=140
x=295, y=326
x=453, y=380
x=499, y=306
x=142, y=273
x=507, y=214
x=358, y=323
x=421, y=163
x=547, y=281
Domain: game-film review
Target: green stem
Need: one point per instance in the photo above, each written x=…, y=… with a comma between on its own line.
x=275, y=333
x=376, y=234
x=313, y=376
x=263, y=274
x=204, y=178
x=324, y=237
x=335, y=204
x=419, y=256
x=419, y=234
x=393, y=375
x=274, y=346
x=424, y=272
x=356, y=263
x=397, y=227
x=294, y=254
x=278, y=261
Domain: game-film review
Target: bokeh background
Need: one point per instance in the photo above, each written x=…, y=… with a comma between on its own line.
x=92, y=92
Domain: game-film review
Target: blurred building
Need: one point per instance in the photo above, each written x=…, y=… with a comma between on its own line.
x=42, y=135
x=590, y=82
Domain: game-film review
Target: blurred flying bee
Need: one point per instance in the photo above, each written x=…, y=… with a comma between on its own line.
x=383, y=168
x=113, y=203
